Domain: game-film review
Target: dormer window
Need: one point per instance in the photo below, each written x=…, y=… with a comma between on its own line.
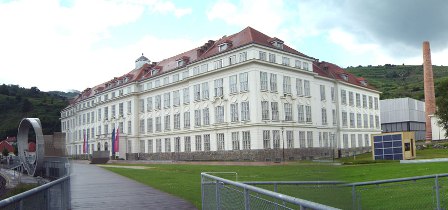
x=125, y=80
x=344, y=77
x=364, y=82
x=276, y=42
x=180, y=63
x=154, y=72
x=223, y=47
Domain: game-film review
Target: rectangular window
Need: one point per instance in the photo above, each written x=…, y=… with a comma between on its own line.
x=142, y=126
x=359, y=140
x=299, y=87
x=285, y=61
x=150, y=146
x=366, y=140
x=195, y=70
x=177, y=121
x=370, y=102
x=235, y=141
x=148, y=106
x=167, y=145
x=309, y=138
x=166, y=80
x=302, y=140
x=322, y=92
x=186, y=92
x=185, y=74
x=371, y=121
x=345, y=140
x=301, y=113
x=158, y=102
x=366, y=121
x=177, y=144
x=149, y=126
x=99, y=114
x=274, y=108
x=166, y=100
x=308, y=115
x=377, y=121
x=264, y=110
x=266, y=139
x=263, y=81
x=364, y=101
x=175, y=77
x=288, y=111
x=352, y=120
x=273, y=82
x=353, y=140
x=358, y=120
x=198, y=141
x=298, y=64
x=218, y=87
x=197, y=92
x=286, y=85
x=358, y=100
x=343, y=97
x=332, y=94
x=176, y=98
x=306, y=87
x=218, y=64
x=344, y=119
x=204, y=68
x=205, y=92
x=242, y=56
x=206, y=116
x=244, y=82
x=276, y=139
x=325, y=139
x=129, y=107
x=262, y=55
x=141, y=106
x=271, y=58
x=187, y=120
x=129, y=127
x=220, y=141
x=197, y=117
x=233, y=84
x=246, y=140
x=289, y=139
x=219, y=114
x=158, y=124
x=206, y=142
x=167, y=122
x=158, y=145
x=245, y=116
x=376, y=103
x=350, y=98
x=187, y=144
x=324, y=116
x=232, y=59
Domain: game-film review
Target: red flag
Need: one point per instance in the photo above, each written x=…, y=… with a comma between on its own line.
x=84, y=145
x=116, y=141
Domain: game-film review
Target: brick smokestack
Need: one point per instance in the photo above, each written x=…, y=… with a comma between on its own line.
x=430, y=100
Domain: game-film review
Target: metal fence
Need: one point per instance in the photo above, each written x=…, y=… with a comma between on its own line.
x=53, y=195
x=219, y=193
x=420, y=192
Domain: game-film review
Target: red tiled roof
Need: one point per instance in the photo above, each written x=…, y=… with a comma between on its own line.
x=333, y=71
x=5, y=144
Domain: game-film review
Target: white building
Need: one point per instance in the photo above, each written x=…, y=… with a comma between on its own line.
x=246, y=93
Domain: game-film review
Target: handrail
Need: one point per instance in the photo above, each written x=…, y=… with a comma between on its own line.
x=397, y=180
x=293, y=182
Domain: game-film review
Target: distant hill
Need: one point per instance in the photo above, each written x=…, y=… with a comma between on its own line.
x=18, y=102
x=397, y=81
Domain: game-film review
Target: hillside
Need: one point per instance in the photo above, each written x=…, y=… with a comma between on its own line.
x=17, y=102
x=397, y=81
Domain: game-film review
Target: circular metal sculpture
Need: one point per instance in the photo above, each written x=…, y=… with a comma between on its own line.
x=32, y=160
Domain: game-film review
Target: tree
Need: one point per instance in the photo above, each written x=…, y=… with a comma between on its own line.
x=27, y=106
x=442, y=103
x=5, y=152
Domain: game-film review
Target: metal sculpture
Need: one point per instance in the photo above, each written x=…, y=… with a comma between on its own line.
x=31, y=161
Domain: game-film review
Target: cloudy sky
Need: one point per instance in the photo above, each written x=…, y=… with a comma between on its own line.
x=75, y=44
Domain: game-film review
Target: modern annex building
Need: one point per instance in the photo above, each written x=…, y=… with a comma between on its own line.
x=246, y=96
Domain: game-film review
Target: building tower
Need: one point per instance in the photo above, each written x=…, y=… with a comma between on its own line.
x=430, y=101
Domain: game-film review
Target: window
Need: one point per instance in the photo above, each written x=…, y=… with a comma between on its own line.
x=276, y=139
x=246, y=139
x=167, y=122
x=285, y=61
x=306, y=86
x=308, y=114
x=158, y=102
x=219, y=114
x=325, y=139
x=185, y=74
x=150, y=146
x=197, y=117
x=205, y=92
x=376, y=103
x=274, y=107
x=177, y=144
x=222, y=47
x=106, y=114
x=309, y=138
x=344, y=118
x=358, y=100
x=148, y=106
x=271, y=58
x=242, y=56
x=263, y=81
x=302, y=140
x=235, y=141
x=364, y=101
x=300, y=113
x=264, y=110
x=332, y=94
x=218, y=87
x=262, y=55
x=286, y=85
x=129, y=107
x=195, y=70
x=149, y=126
x=350, y=98
x=358, y=120
x=176, y=98
x=345, y=140
x=187, y=144
x=352, y=120
x=371, y=121
x=288, y=111
x=322, y=92
x=158, y=145
x=244, y=82
x=197, y=92
x=298, y=64
x=204, y=68
x=366, y=140
x=206, y=116
x=187, y=120
x=177, y=121
x=142, y=126
x=129, y=127
x=186, y=92
x=167, y=145
x=324, y=116
x=234, y=112
x=273, y=82
x=245, y=115
x=305, y=66
x=266, y=139
x=233, y=84
x=175, y=77
x=343, y=97
x=289, y=139
x=198, y=141
x=299, y=87
x=166, y=80
x=377, y=121
x=158, y=124
x=353, y=140
x=220, y=141
x=370, y=102
x=166, y=100
x=232, y=59
x=206, y=142
x=218, y=64
x=359, y=140
x=366, y=121
x=99, y=114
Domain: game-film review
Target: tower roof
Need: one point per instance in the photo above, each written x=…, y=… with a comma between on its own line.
x=142, y=58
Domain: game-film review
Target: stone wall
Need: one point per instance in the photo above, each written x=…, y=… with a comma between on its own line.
x=251, y=155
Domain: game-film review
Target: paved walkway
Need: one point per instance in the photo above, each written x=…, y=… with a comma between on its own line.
x=93, y=187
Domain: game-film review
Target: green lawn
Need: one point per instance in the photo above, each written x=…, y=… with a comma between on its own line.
x=184, y=180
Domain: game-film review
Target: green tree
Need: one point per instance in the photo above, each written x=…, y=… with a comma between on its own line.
x=27, y=106
x=442, y=103
x=5, y=152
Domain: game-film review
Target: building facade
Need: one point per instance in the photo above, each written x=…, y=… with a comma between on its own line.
x=245, y=96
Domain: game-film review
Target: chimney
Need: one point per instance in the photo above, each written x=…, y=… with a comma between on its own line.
x=430, y=101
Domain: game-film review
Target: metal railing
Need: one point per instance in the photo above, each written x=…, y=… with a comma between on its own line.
x=420, y=192
x=53, y=195
x=219, y=193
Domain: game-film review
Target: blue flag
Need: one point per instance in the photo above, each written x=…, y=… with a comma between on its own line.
x=113, y=141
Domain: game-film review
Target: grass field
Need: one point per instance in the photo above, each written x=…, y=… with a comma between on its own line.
x=184, y=180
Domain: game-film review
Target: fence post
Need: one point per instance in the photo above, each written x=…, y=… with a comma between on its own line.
x=246, y=199
x=437, y=192
x=202, y=191
x=276, y=190
x=354, y=196
x=218, y=196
